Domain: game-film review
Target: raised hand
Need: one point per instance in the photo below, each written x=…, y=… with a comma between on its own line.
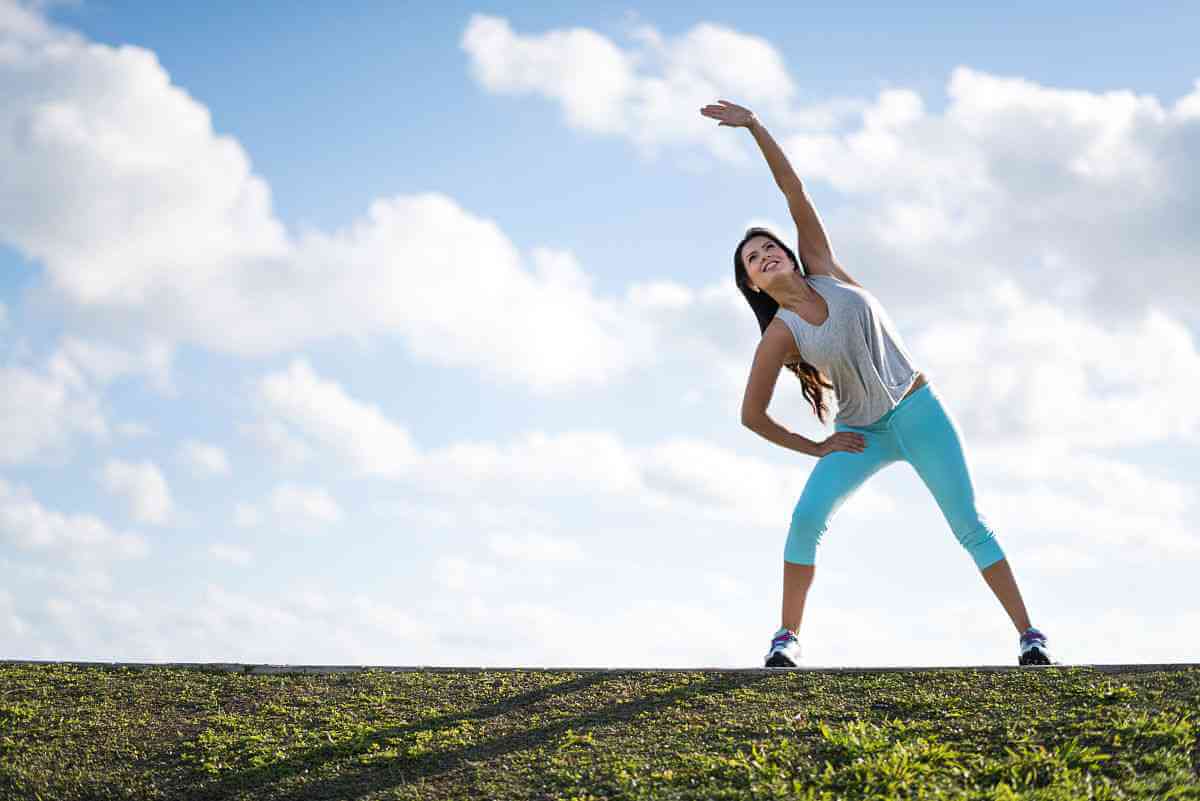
x=730, y=114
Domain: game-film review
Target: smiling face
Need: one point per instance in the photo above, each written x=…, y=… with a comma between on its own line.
x=765, y=261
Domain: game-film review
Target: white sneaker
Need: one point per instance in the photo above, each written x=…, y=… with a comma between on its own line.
x=1033, y=649
x=785, y=650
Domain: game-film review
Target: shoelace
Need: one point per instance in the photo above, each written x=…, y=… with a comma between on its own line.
x=782, y=639
x=1033, y=636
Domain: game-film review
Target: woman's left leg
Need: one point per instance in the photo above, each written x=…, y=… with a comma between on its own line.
x=932, y=443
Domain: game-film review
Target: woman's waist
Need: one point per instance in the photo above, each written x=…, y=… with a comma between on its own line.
x=919, y=382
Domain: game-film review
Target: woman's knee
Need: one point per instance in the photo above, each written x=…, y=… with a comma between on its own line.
x=808, y=525
x=979, y=540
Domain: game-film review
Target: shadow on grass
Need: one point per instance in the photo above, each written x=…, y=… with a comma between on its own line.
x=357, y=779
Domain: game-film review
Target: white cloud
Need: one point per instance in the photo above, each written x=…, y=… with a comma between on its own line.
x=683, y=478
x=592, y=77
x=304, y=506
x=84, y=576
x=134, y=429
x=1114, y=515
x=688, y=478
x=167, y=235
x=1021, y=367
x=104, y=362
x=482, y=513
x=1062, y=559
x=24, y=22
x=41, y=411
x=308, y=601
x=231, y=554
x=457, y=574
x=12, y=626
x=726, y=586
x=389, y=619
x=322, y=410
x=203, y=459
x=304, y=625
x=144, y=488
x=533, y=547
x=1086, y=196
x=1082, y=197
x=28, y=525
x=651, y=92
x=288, y=450
x=85, y=121
x=246, y=515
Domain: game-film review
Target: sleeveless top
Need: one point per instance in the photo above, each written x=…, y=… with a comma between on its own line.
x=858, y=348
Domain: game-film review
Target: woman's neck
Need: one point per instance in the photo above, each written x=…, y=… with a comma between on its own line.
x=796, y=292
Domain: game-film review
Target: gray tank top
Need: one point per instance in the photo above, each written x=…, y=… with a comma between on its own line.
x=857, y=347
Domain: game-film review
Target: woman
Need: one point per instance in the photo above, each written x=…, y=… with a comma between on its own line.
x=821, y=323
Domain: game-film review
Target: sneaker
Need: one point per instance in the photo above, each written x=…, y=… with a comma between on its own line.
x=1033, y=649
x=785, y=650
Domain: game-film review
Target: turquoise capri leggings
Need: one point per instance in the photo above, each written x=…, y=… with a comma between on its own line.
x=920, y=431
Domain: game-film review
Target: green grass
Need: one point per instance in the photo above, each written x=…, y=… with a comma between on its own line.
x=92, y=732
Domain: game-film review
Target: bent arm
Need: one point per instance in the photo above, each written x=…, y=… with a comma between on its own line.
x=814, y=249
x=767, y=428
x=769, y=357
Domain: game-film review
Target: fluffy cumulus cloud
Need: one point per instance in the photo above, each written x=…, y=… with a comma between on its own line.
x=1061, y=378
x=44, y=408
x=41, y=410
x=533, y=547
x=231, y=554
x=28, y=525
x=203, y=459
x=1020, y=444
x=149, y=223
x=457, y=573
x=649, y=91
x=299, y=406
x=1087, y=196
x=304, y=506
x=143, y=487
x=288, y=507
x=356, y=435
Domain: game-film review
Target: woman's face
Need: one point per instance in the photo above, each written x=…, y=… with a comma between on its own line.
x=765, y=261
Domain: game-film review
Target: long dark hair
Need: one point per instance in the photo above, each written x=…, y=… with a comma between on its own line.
x=764, y=307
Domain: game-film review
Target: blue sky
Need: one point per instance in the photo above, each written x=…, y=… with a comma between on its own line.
x=362, y=335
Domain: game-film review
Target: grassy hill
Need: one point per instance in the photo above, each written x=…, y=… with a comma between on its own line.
x=72, y=731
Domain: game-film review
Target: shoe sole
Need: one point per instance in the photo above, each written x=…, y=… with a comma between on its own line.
x=1034, y=656
x=779, y=660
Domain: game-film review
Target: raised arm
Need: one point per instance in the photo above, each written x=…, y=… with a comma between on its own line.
x=813, y=245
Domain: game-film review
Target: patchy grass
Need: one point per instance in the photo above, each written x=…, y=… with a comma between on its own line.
x=97, y=732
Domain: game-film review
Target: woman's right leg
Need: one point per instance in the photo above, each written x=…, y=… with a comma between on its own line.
x=796, y=581
x=832, y=481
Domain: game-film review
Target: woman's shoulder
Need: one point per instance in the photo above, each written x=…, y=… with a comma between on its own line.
x=823, y=282
x=826, y=277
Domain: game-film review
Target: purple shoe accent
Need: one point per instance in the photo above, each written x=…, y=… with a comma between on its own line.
x=1032, y=635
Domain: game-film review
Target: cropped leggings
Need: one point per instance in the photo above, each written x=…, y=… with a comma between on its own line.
x=920, y=431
